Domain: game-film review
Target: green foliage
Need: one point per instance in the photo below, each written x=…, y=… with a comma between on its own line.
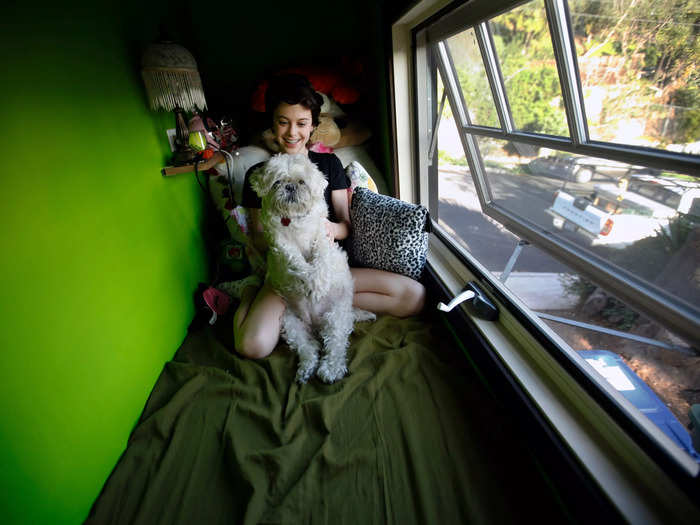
x=654, y=250
x=523, y=28
x=661, y=37
x=477, y=95
x=446, y=158
x=577, y=285
x=688, y=121
x=674, y=236
x=619, y=315
x=521, y=37
x=537, y=106
x=615, y=313
x=679, y=176
x=651, y=76
x=522, y=41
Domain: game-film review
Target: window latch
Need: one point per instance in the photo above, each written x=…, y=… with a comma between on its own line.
x=478, y=303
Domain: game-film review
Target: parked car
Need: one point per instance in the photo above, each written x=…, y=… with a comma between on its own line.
x=621, y=214
x=583, y=169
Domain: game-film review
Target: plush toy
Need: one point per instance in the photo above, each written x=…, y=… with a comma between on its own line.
x=325, y=81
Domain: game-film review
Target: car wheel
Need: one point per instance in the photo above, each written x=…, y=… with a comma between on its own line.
x=583, y=175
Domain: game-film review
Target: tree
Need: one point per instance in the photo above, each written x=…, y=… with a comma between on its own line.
x=660, y=35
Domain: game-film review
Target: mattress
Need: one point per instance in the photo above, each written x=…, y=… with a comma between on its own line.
x=409, y=436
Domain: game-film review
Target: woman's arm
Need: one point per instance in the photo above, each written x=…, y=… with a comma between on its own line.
x=256, y=231
x=340, y=230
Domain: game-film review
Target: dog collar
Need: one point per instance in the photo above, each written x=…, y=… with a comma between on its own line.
x=285, y=221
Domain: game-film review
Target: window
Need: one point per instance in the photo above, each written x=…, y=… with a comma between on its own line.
x=557, y=147
x=540, y=156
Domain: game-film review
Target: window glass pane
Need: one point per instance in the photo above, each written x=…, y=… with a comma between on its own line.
x=524, y=49
x=472, y=78
x=630, y=366
x=638, y=64
x=459, y=210
x=640, y=219
x=555, y=290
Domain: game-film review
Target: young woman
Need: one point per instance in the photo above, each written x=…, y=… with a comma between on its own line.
x=294, y=108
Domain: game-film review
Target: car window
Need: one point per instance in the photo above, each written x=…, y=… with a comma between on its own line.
x=658, y=193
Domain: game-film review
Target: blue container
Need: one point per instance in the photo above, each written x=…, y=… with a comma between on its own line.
x=624, y=380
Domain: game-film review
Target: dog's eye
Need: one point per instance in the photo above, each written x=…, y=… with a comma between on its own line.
x=301, y=182
x=275, y=184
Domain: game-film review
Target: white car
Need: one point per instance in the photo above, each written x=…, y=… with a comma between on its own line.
x=617, y=216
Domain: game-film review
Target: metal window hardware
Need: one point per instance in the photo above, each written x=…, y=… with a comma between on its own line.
x=464, y=296
x=479, y=304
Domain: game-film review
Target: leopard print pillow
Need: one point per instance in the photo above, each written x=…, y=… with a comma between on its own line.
x=387, y=233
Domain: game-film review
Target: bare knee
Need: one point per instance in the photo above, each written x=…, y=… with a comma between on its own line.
x=256, y=327
x=385, y=292
x=412, y=299
x=255, y=336
x=255, y=346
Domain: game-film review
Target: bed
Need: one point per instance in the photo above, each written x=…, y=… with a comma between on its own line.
x=409, y=436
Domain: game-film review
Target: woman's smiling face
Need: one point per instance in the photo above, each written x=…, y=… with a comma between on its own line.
x=292, y=126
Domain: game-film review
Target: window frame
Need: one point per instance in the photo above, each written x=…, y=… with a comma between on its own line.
x=625, y=454
x=680, y=316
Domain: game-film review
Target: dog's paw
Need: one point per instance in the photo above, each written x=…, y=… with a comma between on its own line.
x=362, y=315
x=329, y=373
x=305, y=370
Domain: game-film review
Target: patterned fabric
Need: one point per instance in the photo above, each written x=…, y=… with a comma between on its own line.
x=359, y=177
x=388, y=234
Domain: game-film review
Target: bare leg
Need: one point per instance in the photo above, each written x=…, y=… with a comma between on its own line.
x=256, y=324
x=387, y=293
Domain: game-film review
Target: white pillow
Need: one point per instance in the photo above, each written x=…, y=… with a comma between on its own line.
x=238, y=164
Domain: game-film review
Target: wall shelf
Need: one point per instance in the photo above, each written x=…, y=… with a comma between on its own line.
x=169, y=171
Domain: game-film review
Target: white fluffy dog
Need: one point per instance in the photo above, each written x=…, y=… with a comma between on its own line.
x=308, y=270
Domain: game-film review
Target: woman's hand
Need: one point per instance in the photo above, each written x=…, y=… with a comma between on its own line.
x=331, y=230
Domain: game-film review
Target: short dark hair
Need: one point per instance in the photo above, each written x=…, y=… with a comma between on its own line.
x=292, y=89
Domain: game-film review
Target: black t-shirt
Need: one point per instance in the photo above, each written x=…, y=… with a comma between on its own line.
x=329, y=165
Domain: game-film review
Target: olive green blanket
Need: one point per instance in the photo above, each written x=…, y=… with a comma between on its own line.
x=409, y=436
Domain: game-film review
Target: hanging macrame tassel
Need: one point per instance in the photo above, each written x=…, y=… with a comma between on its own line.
x=170, y=89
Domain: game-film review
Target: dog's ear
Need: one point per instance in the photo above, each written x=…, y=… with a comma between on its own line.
x=262, y=179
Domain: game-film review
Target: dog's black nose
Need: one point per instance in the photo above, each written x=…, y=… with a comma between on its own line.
x=290, y=187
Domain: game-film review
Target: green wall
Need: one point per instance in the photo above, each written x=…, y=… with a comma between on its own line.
x=100, y=253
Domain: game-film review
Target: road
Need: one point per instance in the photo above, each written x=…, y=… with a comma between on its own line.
x=459, y=211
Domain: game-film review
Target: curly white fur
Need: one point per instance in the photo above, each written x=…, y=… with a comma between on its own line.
x=308, y=270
